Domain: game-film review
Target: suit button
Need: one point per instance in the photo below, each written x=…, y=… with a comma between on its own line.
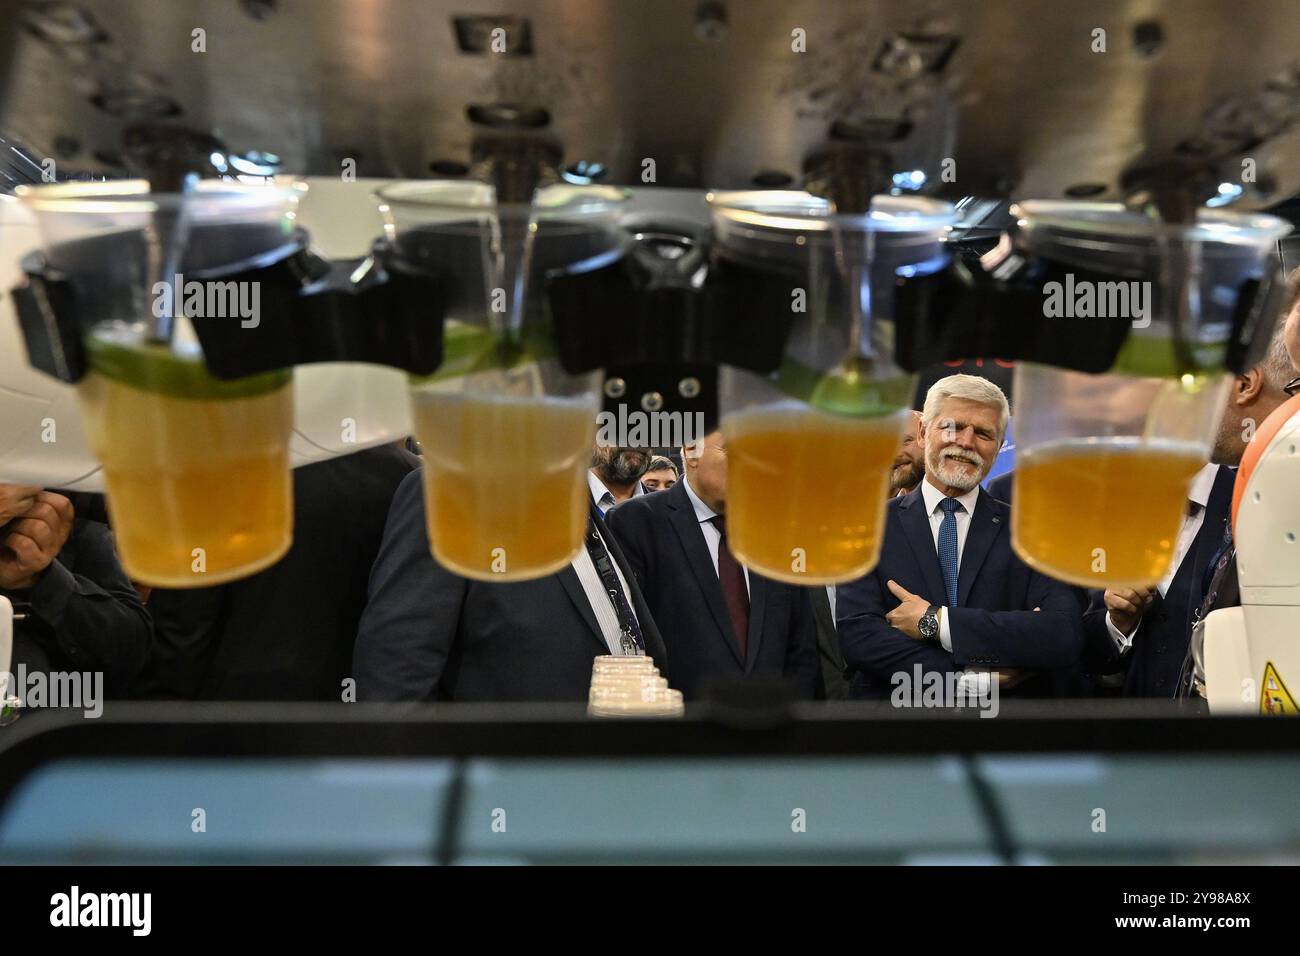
x=1160, y=682
x=1160, y=649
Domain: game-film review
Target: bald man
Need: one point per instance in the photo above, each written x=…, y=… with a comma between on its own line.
x=720, y=621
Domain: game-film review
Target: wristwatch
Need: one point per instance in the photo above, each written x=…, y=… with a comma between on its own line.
x=928, y=625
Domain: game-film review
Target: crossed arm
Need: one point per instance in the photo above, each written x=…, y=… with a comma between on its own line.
x=877, y=621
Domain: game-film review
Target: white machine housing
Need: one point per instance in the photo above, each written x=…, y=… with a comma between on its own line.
x=1251, y=653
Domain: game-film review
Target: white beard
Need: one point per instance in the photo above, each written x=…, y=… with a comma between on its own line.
x=951, y=475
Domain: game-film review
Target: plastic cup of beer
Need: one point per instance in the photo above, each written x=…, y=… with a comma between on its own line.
x=506, y=431
x=1104, y=461
x=810, y=444
x=784, y=456
x=1103, y=469
x=196, y=469
x=504, y=479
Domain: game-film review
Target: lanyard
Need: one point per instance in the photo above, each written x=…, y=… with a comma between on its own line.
x=630, y=637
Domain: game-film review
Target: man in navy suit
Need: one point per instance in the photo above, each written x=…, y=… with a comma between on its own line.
x=948, y=593
x=428, y=634
x=718, y=619
x=1143, y=636
x=1072, y=681
x=1001, y=486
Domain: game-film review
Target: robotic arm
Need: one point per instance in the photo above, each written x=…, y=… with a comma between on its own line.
x=1251, y=654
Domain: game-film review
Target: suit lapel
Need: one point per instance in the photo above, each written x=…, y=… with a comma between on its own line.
x=654, y=645
x=826, y=635
x=759, y=590
x=1218, y=508
x=916, y=526
x=682, y=517
x=985, y=526
x=573, y=588
x=821, y=605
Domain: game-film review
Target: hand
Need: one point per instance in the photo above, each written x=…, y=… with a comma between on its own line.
x=34, y=540
x=906, y=616
x=1011, y=677
x=16, y=500
x=1127, y=606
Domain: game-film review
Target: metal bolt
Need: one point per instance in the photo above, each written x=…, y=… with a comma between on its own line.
x=615, y=388
x=688, y=387
x=652, y=401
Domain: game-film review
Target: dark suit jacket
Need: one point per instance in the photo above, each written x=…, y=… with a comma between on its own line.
x=994, y=625
x=285, y=633
x=666, y=548
x=429, y=634
x=83, y=614
x=1066, y=681
x=1152, y=665
x=1000, y=487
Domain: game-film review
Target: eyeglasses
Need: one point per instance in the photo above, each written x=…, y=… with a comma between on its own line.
x=1292, y=386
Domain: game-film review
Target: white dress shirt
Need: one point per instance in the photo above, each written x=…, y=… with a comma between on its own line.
x=594, y=588
x=932, y=496
x=1193, y=518
x=603, y=497
x=712, y=536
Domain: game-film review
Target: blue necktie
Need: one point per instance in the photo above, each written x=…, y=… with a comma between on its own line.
x=948, y=547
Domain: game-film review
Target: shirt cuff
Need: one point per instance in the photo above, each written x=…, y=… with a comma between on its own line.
x=945, y=630
x=975, y=684
x=1123, y=642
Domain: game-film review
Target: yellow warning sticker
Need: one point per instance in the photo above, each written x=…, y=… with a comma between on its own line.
x=1275, y=698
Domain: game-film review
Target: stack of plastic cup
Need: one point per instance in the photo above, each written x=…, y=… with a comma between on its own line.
x=631, y=687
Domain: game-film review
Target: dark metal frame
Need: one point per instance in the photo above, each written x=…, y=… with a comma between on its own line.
x=563, y=731
x=212, y=730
